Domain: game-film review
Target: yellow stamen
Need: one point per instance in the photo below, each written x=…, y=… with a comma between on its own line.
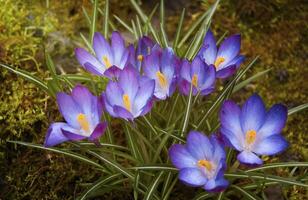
x=218, y=61
x=162, y=79
x=251, y=136
x=206, y=164
x=106, y=61
x=126, y=102
x=140, y=58
x=83, y=122
x=194, y=80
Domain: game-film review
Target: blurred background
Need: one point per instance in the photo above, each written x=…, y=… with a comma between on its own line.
x=276, y=30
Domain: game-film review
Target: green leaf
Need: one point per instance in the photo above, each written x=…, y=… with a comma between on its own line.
x=179, y=29
x=97, y=184
x=88, y=44
x=162, y=13
x=52, y=69
x=160, y=167
x=64, y=152
x=125, y=25
x=187, y=113
x=265, y=178
x=297, y=109
x=275, y=165
x=164, y=36
x=106, y=18
x=249, y=80
x=35, y=80
x=85, y=13
x=152, y=188
x=245, y=193
x=93, y=22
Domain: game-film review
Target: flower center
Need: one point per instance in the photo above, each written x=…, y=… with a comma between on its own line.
x=218, y=61
x=106, y=61
x=205, y=164
x=194, y=80
x=140, y=57
x=162, y=80
x=126, y=102
x=251, y=136
x=83, y=122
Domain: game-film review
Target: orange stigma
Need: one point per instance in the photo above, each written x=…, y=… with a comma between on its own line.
x=126, y=102
x=83, y=122
x=218, y=61
x=140, y=57
x=251, y=136
x=205, y=164
x=194, y=80
x=106, y=61
x=162, y=80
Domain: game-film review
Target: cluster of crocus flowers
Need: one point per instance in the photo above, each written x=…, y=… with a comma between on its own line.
x=142, y=74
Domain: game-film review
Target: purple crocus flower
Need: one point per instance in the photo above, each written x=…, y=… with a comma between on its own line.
x=82, y=112
x=106, y=55
x=131, y=96
x=253, y=131
x=199, y=74
x=201, y=162
x=144, y=48
x=161, y=66
x=227, y=59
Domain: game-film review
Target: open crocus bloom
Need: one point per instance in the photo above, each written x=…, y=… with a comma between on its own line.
x=201, y=162
x=227, y=59
x=161, y=66
x=253, y=131
x=106, y=55
x=144, y=48
x=131, y=96
x=199, y=74
x=81, y=111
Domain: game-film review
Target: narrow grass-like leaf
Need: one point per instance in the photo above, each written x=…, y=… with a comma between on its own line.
x=52, y=69
x=275, y=165
x=97, y=184
x=245, y=193
x=76, y=77
x=146, y=24
x=135, y=30
x=249, y=80
x=136, y=183
x=264, y=177
x=297, y=109
x=152, y=188
x=163, y=167
x=166, y=197
x=85, y=13
x=67, y=153
x=139, y=29
x=179, y=29
x=93, y=21
x=187, y=113
x=88, y=44
x=162, y=13
x=35, y=80
x=106, y=18
x=131, y=143
x=164, y=36
x=123, y=23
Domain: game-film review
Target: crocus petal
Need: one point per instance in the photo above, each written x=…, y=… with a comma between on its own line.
x=143, y=95
x=102, y=48
x=98, y=131
x=108, y=106
x=128, y=81
x=113, y=72
x=184, y=87
x=151, y=64
x=208, y=50
x=236, y=61
x=185, y=70
x=147, y=108
x=229, y=48
x=73, y=135
x=69, y=109
x=219, y=152
x=234, y=139
x=230, y=118
x=275, y=121
x=123, y=113
x=118, y=46
x=226, y=72
x=168, y=64
x=216, y=185
x=270, y=146
x=192, y=177
x=54, y=134
x=209, y=77
x=199, y=145
x=253, y=113
x=250, y=158
x=89, y=62
x=114, y=94
x=180, y=157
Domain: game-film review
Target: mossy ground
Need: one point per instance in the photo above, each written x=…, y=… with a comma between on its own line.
x=275, y=30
